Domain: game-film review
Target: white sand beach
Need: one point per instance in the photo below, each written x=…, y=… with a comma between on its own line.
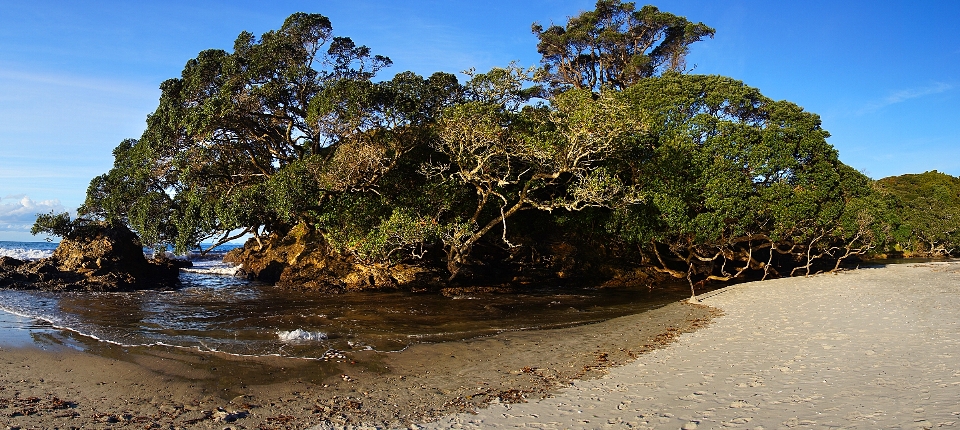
x=870, y=348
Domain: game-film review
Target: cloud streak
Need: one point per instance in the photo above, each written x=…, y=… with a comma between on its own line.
x=904, y=95
x=80, y=82
x=18, y=212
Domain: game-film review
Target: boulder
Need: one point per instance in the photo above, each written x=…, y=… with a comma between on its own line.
x=104, y=258
x=302, y=259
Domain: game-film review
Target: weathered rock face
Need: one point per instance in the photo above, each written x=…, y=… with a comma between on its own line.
x=303, y=259
x=113, y=249
x=111, y=259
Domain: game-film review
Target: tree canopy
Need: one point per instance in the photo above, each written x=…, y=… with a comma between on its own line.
x=700, y=177
x=616, y=45
x=928, y=208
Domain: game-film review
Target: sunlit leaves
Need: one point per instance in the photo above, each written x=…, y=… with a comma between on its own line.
x=616, y=45
x=928, y=206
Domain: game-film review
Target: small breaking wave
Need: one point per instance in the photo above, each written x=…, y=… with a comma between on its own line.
x=22, y=251
x=215, y=270
x=212, y=266
x=40, y=250
x=300, y=335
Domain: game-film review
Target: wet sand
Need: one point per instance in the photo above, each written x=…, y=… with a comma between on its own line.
x=868, y=349
x=64, y=381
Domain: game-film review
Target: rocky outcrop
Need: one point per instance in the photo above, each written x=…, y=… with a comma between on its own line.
x=302, y=259
x=105, y=258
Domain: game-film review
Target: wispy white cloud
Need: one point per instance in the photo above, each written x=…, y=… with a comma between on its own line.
x=11, y=74
x=904, y=95
x=18, y=212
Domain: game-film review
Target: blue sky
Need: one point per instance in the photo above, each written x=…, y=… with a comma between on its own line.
x=76, y=78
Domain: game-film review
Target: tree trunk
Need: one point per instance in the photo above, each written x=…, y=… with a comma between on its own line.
x=693, y=293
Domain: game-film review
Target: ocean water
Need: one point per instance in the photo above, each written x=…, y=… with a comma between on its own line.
x=215, y=310
x=27, y=250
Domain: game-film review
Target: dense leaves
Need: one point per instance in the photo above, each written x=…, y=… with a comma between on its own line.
x=928, y=208
x=616, y=45
x=734, y=182
x=261, y=138
x=700, y=177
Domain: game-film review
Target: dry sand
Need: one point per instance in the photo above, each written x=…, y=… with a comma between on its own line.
x=870, y=349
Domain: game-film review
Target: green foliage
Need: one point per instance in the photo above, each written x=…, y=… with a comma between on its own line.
x=616, y=45
x=60, y=224
x=259, y=138
x=518, y=156
x=56, y=224
x=928, y=205
x=729, y=175
x=704, y=175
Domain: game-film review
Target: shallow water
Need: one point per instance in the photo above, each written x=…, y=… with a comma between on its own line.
x=19, y=331
x=215, y=311
x=238, y=317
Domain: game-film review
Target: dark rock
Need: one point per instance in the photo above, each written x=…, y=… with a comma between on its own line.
x=179, y=263
x=7, y=263
x=106, y=258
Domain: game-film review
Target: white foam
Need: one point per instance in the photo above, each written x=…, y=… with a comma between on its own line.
x=212, y=267
x=300, y=335
x=219, y=271
x=25, y=254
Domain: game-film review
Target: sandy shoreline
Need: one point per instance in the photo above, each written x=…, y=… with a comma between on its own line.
x=871, y=348
x=109, y=386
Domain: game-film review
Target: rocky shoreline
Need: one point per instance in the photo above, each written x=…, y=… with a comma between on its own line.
x=112, y=259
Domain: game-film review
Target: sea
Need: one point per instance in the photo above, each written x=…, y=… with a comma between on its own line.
x=216, y=310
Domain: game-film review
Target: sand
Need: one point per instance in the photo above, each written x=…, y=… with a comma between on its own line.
x=106, y=386
x=870, y=349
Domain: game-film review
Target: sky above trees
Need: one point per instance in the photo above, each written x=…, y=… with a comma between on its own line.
x=77, y=79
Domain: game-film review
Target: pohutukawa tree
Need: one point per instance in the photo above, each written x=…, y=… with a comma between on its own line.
x=616, y=45
x=702, y=176
x=928, y=208
x=738, y=183
x=257, y=139
x=520, y=157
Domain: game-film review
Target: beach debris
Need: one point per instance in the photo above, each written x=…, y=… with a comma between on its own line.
x=511, y=396
x=333, y=354
x=194, y=416
x=223, y=415
x=32, y=405
x=106, y=418
x=280, y=419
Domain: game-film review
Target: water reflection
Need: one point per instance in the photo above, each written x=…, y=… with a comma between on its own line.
x=248, y=318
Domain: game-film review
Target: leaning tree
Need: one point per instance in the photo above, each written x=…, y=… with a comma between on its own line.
x=734, y=182
x=262, y=138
